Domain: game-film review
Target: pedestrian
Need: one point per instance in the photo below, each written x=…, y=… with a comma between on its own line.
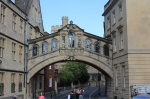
x=41, y=96
x=15, y=97
x=72, y=95
x=81, y=96
x=89, y=85
x=77, y=93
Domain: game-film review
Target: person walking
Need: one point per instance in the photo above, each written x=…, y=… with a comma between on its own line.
x=81, y=96
x=89, y=85
x=41, y=96
x=77, y=92
x=72, y=95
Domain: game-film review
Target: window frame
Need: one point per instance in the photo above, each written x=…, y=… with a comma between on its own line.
x=63, y=41
x=88, y=46
x=13, y=83
x=114, y=17
x=50, y=82
x=14, y=21
x=79, y=41
x=116, y=76
x=44, y=47
x=121, y=41
x=95, y=47
x=3, y=12
x=54, y=45
x=21, y=26
x=13, y=50
x=1, y=83
x=71, y=39
x=2, y=46
x=37, y=49
x=120, y=10
x=20, y=53
x=114, y=44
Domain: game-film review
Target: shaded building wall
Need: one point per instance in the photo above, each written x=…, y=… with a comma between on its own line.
x=49, y=73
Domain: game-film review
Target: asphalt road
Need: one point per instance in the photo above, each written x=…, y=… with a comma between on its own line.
x=91, y=93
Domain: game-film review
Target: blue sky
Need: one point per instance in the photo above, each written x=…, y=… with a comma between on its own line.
x=87, y=14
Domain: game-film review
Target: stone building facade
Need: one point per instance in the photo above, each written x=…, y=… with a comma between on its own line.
x=20, y=20
x=127, y=23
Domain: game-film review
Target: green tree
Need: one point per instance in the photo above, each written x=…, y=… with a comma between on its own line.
x=66, y=76
x=84, y=76
x=74, y=71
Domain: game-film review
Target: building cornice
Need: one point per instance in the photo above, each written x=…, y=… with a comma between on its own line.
x=12, y=39
x=10, y=70
x=110, y=7
x=97, y=37
x=43, y=38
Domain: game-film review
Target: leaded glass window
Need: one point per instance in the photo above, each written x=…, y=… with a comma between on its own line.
x=35, y=50
x=70, y=39
x=79, y=41
x=97, y=47
x=88, y=44
x=63, y=41
x=44, y=47
x=54, y=44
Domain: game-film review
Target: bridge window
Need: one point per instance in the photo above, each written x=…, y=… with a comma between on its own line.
x=63, y=41
x=106, y=50
x=54, y=44
x=88, y=44
x=97, y=47
x=35, y=50
x=79, y=41
x=70, y=39
x=44, y=47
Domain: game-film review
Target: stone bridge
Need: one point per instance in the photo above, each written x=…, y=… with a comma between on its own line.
x=69, y=43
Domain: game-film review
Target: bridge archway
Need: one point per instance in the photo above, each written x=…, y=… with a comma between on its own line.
x=101, y=63
x=69, y=43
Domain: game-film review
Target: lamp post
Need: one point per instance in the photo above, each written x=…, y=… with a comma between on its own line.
x=99, y=79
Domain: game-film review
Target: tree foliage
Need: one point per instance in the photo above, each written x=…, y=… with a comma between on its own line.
x=74, y=71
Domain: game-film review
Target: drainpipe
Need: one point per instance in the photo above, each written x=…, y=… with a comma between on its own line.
x=25, y=52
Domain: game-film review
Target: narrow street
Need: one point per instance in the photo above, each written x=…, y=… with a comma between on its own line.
x=91, y=93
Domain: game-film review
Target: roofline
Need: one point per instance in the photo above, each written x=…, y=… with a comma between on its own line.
x=71, y=24
x=107, y=3
x=30, y=41
x=14, y=5
x=97, y=37
x=110, y=7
